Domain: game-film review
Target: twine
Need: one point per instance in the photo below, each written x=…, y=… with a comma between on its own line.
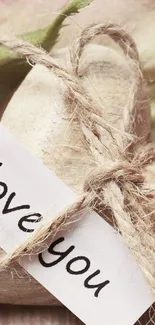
x=121, y=187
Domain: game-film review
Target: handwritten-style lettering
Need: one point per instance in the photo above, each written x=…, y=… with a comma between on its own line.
x=37, y=218
x=70, y=266
x=51, y=250
x=8, y=208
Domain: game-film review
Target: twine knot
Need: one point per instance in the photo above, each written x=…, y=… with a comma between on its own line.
x=119, y=172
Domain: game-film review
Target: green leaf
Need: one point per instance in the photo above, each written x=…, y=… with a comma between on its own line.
x=53, y=31
x=14, y=69
x=12, y=74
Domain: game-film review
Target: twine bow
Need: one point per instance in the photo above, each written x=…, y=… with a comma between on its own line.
x=121, y=187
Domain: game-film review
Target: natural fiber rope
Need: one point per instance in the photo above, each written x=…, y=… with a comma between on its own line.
x=120, y=188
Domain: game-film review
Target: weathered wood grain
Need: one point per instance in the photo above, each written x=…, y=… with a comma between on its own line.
x=16, y=315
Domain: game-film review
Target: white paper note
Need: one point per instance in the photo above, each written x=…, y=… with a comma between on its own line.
x=90, y=270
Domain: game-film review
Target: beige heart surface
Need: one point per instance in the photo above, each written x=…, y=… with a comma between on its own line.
x=38, y=115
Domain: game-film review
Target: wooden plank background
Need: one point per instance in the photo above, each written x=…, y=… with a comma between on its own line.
x=28, y=315
x=23, y=315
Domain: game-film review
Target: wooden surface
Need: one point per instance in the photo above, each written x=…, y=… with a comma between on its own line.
x=17, y=315
x=25, y=315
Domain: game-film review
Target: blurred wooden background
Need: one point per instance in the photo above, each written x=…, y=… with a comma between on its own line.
x=21, y=315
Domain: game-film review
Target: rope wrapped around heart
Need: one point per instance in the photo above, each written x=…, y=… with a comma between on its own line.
x=120, y=188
